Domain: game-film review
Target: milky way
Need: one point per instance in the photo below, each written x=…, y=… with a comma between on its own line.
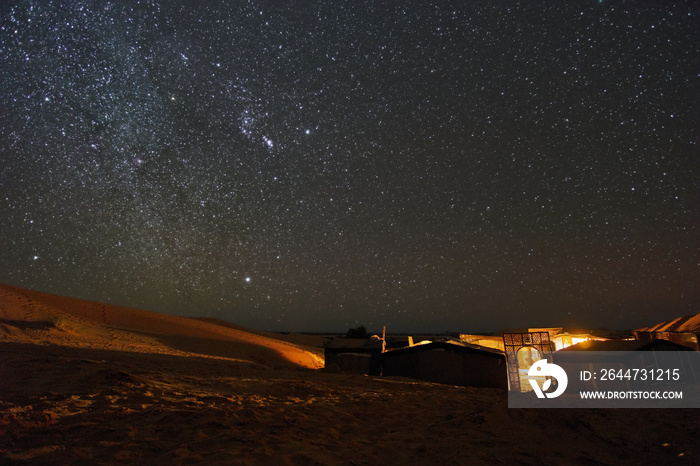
x=423, y=165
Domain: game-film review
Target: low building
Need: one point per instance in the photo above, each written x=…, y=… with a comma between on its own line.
x=448, y=362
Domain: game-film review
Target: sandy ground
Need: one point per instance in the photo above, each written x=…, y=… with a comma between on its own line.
x=87, y=383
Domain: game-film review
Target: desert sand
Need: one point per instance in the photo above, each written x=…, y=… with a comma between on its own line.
x=90, y=383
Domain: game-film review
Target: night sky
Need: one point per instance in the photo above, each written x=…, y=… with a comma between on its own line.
x=316, y=165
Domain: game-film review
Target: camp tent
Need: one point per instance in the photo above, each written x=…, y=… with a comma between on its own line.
x=448, y=362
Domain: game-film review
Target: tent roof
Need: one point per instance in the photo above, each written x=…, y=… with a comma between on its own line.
x=681, y=324
x=625, y=345
x=451, y=345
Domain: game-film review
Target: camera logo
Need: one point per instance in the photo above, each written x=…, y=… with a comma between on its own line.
x=542, y=368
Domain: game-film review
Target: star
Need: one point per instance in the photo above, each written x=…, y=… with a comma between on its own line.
x=468, y=170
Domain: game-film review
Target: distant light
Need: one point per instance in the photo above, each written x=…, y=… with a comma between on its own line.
x=36, y=257
x=247, y=279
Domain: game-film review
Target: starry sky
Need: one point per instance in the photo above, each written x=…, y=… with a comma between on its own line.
x=316, y=165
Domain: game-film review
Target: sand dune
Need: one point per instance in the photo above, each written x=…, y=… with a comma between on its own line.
x=87, y=383
x=29, y=317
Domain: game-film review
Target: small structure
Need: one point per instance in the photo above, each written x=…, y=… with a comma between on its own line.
x=358, y=355
x=448, y=362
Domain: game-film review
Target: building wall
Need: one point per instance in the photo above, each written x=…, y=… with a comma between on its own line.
x=485, y=371
x=449, y=367
x=404, y=365
x=358, y=363
x=441, y=366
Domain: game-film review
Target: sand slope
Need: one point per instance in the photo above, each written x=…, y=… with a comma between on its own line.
x=33, y=317
x=84, y=383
